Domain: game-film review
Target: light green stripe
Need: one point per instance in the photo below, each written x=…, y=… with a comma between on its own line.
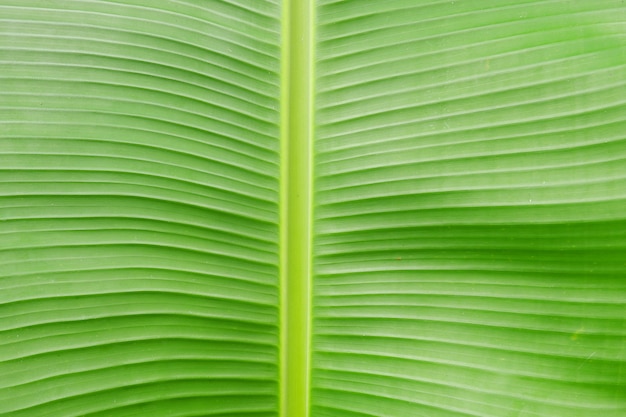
x=297, y=153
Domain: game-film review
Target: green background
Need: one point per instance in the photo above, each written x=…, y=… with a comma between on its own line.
x=350, y=208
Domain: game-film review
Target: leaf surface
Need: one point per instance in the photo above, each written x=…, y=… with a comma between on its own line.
x=469, y=209
x=335, y=208
x=139, y=182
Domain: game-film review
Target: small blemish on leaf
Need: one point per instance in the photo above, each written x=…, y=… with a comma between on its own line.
x=574, y=336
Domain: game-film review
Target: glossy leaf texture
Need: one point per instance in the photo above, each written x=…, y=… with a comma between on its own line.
x=470, y=222
x=139, y=179
x=468, y=208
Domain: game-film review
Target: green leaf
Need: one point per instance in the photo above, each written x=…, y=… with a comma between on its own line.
x=312, y=208
x=140, y=181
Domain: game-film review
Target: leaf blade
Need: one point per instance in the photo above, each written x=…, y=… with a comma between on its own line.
x=140, y=208
x=468, y=256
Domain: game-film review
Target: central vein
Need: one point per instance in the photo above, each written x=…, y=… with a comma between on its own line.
x=296, y=203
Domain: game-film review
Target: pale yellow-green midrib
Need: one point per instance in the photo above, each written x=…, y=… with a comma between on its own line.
x=296, y=110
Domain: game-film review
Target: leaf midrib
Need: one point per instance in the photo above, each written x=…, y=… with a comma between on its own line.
x=296, y=205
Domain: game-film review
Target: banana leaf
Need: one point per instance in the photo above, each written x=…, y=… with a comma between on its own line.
x=313, y=208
